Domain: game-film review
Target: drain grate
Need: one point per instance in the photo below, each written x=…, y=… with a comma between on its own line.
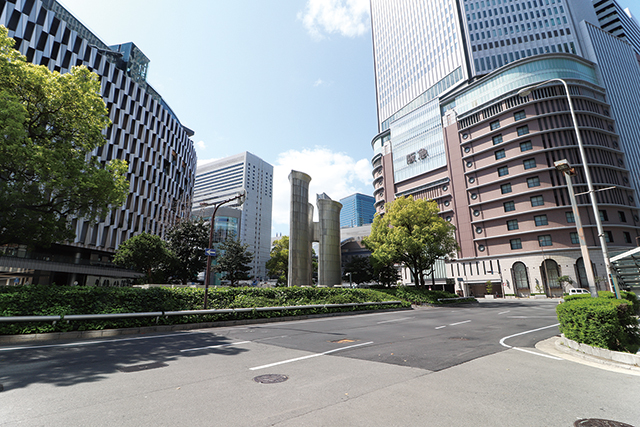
x=271, y=378
x=142, y=367
x=598, y=422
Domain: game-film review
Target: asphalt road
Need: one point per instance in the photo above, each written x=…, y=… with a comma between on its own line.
x=474, y=366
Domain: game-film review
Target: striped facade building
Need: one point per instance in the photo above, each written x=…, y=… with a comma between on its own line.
x=145, y=132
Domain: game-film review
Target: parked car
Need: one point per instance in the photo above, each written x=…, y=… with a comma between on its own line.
x=578, y=291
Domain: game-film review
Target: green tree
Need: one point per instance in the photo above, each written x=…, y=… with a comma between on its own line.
x=234, y=261
x=386, y=274
x=278, y=264
x=145, y=253
x=50, y=123
x=360, y=268
x=186, y=243
x=411, y=233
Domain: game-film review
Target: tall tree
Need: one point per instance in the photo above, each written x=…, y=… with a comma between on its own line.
x=234, y=261
x=145, y=253
x=412, y=233
x=278, y=264
x=360, y=268
x=50, y=123
x=186, y=243
x=386, y=274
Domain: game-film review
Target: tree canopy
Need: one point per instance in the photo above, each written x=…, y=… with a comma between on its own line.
x=145, y=253
x=234, y=261
x=50, y=124
x=360, y=268
x=411, y=233
x=278, y=264
x=186, y=243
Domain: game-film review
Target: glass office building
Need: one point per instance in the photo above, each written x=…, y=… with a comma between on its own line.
x=357, y=210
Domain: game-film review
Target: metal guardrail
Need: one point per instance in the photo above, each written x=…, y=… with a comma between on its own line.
x=158, y=314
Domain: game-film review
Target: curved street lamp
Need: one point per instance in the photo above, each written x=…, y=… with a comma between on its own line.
x=241, y=197
x=594, y=204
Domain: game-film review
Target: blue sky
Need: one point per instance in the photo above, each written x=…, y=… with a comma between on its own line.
x=290, y=81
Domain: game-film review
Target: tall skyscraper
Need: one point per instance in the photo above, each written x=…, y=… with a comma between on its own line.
x=452, y=128
x=221, y=179
x=619, y=22
x=357, y=210
x=145, y=132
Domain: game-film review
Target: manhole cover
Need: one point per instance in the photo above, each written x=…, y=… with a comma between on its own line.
x=342, y=341
x=597, y=422
x=142, y=367
x=270, y=379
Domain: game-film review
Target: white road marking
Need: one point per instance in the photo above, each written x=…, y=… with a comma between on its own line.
x=215, y=346
x=503, y=312
x=309, y=356
x=73, y=344
x=440, y=327
x=395, y=320
x=529, y=351
x=459, y=323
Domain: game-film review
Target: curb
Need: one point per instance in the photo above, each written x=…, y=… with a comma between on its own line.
x=74, y=335
x=601, y=355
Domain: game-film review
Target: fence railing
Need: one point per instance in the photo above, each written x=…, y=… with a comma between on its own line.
x=158, y=314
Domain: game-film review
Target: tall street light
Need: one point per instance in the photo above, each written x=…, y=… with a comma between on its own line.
x=566, y=169
x=594, y=204
x=241, y=196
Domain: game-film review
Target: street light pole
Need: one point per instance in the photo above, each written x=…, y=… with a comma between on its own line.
x=240, y=196
x=564, y=167
x=594, y=204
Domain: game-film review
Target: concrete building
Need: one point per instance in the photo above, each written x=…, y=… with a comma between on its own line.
x=357, y=210
x=145, y=132
x=453, y=129
x=219, y=180
x=618, y=22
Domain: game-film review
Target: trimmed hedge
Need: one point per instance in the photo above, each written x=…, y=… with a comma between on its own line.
x=35, y=300
x=600, y=322
x=422, y=296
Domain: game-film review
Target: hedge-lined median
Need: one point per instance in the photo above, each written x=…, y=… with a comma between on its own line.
x=35, y=300
x=603, y=322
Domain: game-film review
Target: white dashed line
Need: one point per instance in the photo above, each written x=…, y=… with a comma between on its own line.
x=440, y=327
x=395, y=320
x=459, y=323
x=215, y=346
x=503, y=312
x=309, y=356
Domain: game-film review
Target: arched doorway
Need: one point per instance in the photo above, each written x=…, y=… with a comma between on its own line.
x=520, y=279
x=550, y=273
x=581, y=273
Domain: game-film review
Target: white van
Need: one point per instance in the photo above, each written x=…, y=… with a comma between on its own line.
x=578, y=291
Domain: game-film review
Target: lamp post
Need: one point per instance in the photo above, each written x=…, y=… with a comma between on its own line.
x=566, y=169
x=594, y=204
x=241, y=196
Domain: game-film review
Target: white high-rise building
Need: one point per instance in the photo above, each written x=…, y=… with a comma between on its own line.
x=221, y=179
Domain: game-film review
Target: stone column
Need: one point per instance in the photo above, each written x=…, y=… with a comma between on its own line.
x=299, y=230
x=329, y=268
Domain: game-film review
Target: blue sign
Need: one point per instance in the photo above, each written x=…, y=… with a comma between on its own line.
x=210, y=252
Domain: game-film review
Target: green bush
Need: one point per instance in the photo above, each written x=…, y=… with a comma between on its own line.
x=600, y=322
x=421, y=296
x=35, y=300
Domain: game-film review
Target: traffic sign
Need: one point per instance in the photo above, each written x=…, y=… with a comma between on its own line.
x=210, y=252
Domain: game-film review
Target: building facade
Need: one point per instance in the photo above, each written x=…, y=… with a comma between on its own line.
x=145, y=132
x=357, y=210
x=221, y=179
x=618, y=22
x=452, y=128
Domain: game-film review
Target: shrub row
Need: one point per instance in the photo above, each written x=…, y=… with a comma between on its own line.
x=603, y=322
x=420, y=296
x=34, y=300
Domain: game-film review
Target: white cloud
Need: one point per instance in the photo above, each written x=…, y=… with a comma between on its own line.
x=348, y=18
x=317, y=83
x=333, y=173
x=201, y=144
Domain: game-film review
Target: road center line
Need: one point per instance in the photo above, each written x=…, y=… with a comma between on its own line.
x=529, y=351
x=214, y=346
x=309, y=356
x=459, y=323
x=503, y=312
x=440, y=327
x=395, y=320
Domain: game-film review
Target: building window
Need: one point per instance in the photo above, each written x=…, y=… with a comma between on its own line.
x=529, y=163
x=570, y=218
x=512, y=224
x=509, y=206
x=526, y=146
x=575, y=239
x=533, y=182
x=627, y=236
x=500, y=154
x=504, y=170
x=545, y=240
x=515, y=243
x=608, y=236
x=541, y=220
x=622, y=217
x=476, y=213
x=523, y=130
x=537, y=201
x=603, y=215
x=495, y=125
x=505, y=188
x=481, y=248
x=497, y=139
x=519, y=115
